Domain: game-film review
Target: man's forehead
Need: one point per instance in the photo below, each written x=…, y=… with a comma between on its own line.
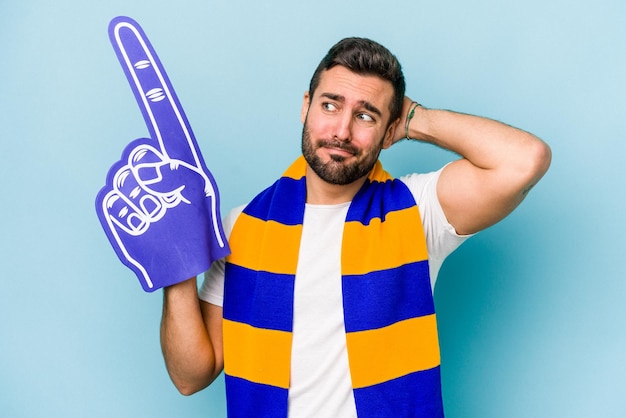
x=341, y=81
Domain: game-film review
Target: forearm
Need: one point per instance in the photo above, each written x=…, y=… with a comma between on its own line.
x=192, y=359
x=499, y=165
x=486, y=143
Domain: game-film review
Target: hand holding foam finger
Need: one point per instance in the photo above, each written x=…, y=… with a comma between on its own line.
x=160, y=205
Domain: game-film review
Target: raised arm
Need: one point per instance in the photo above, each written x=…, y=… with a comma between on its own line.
x=499, y=164
x=191, y=338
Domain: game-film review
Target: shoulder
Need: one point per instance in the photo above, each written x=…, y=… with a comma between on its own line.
x=423, y=186
x=230, y=219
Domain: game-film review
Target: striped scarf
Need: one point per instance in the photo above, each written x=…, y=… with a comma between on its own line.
x=389, y=313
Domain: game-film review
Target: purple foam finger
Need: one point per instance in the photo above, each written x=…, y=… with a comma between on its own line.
x=160, y=205
x=162, y=112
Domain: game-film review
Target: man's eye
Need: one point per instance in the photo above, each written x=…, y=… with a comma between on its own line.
x=329, y=107
x=365, y=117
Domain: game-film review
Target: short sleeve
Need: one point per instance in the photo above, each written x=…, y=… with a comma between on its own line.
x=212, y=289
x=441, y=238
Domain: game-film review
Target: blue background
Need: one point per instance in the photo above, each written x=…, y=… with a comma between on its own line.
x=531, y=311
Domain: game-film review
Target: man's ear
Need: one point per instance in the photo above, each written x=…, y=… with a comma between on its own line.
x=391, y=134
x=306, y=102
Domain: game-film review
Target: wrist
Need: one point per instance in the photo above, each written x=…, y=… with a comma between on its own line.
x=409, y=116
x=181, y=289
x=415, y=120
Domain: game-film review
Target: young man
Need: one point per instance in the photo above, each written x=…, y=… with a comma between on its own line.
x=325, y=307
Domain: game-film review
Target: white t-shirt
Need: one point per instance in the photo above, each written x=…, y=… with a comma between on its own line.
x=320, y=378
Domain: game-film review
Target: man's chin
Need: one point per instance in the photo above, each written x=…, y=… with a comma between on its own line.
x=336, y=173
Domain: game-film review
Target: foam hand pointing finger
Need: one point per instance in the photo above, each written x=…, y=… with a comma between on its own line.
x=160, y=205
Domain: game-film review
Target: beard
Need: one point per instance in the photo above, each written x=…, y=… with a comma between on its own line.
x=337, y=170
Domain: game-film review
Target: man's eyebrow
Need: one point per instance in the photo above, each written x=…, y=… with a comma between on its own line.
x=371, y=108
x=367, y=105
x=335, y=97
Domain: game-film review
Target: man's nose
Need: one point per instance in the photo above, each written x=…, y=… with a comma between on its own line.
x=343, y=128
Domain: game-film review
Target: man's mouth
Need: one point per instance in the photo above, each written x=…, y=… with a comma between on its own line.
x=339, y=148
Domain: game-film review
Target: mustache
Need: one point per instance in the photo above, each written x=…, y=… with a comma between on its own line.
x=334, y=143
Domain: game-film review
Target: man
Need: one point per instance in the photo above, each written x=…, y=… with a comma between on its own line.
x=324, y=308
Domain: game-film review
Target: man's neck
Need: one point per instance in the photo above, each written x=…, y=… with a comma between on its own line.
x=320, y=192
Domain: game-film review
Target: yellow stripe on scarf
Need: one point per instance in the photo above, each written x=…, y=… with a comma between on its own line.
x=267, y=360
x=283, y=242
x=374, y=247
x=387, y=353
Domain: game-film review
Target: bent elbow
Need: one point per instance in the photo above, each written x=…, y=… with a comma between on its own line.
x=543, y=157
x=189, y=386
x=536, y=162
x=188, y=389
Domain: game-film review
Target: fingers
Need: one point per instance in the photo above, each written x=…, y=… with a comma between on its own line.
x=123, y=214
x=128, y=207
x=155, y=95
